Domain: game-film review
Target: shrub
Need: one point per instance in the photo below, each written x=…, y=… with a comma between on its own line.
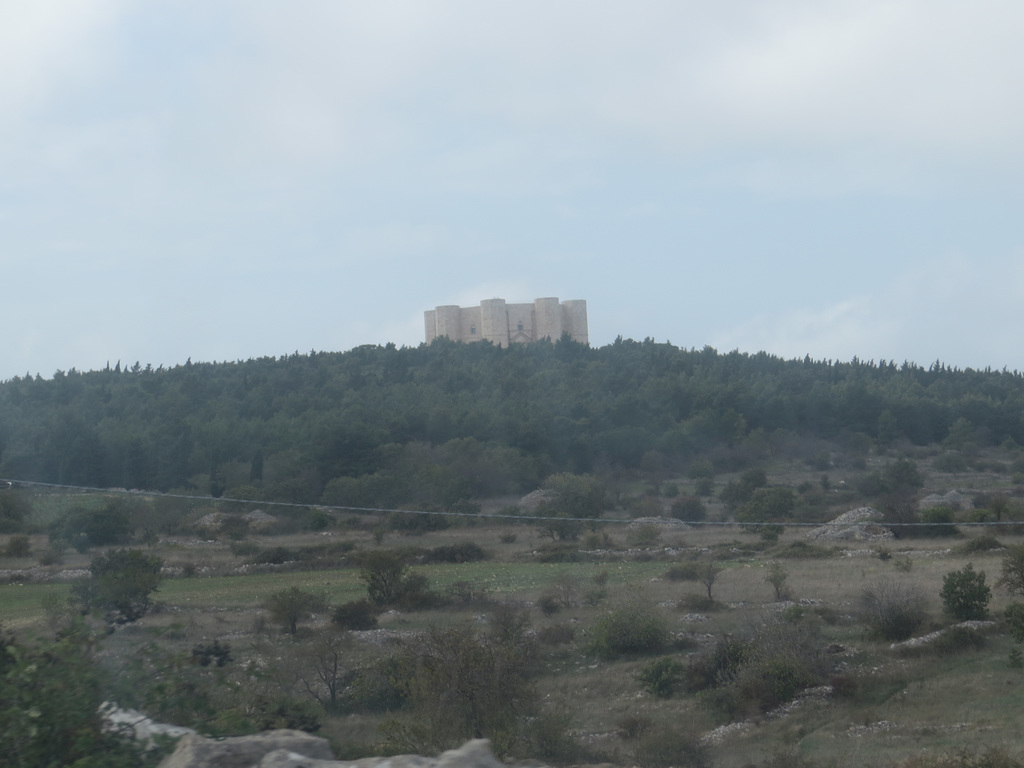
x=777, y=576
x=557, y=634
x=629, y=628
x=670, y=746
x=273, y=556
x=84, y=528
x=18, y=546
x=662, y=677
x=937, y=522
x=802, y=550
x=383, y=572
x=355, y=615
x=1014, y=616
x=688, y=571
x=120, y=581
x=289, y=606
x=957, y=640
x=643, y=536
x=689, y=509
x=462, y=685
x=1012, y=576
x=892, y=609
x=984, y=543
x=965, y=596
x=463, y=552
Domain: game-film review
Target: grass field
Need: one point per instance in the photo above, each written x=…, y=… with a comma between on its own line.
x=895, y=703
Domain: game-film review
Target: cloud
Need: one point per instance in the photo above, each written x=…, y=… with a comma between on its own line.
x=959, y=311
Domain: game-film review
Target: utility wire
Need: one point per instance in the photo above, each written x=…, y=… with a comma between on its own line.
x=480, y=515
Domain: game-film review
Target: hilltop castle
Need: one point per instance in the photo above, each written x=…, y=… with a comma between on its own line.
x=505, y=324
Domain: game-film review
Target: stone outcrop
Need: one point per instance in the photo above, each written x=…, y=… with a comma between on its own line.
x=294, y=749
x=952, y=499
x=862, y=524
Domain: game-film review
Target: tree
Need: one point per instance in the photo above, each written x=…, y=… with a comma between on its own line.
x=122, y=581
x=383, y=571
x=709, y=575
x=767, y=505
x=290, y=606
x=321, y=671
x=50, y=697
x=577, y=498
x=777, y=576
x=965, y=595
x=1012, y=576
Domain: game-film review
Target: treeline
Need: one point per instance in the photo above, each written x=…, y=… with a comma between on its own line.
x=440, y=423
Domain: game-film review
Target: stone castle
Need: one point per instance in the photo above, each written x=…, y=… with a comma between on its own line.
x=505, y=324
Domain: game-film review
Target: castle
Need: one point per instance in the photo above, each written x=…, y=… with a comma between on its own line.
x=505, y=324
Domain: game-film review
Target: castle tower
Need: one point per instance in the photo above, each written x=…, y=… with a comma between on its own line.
x=494, y=321
x=575, y=314
x=547, y=319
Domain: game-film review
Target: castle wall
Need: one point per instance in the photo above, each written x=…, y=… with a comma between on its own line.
x=503, y=324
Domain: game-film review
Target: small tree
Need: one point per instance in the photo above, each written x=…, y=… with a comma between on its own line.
x=1012, y=576
x=121, y=581
x=777, y=576
x=383, y=572
x=289, y=606
x=965, y=595
x=709, y=575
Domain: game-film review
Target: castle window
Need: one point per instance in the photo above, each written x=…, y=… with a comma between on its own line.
x=519, y=327
x=472, y=330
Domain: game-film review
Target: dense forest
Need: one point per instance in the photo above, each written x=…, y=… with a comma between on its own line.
x=381, y=426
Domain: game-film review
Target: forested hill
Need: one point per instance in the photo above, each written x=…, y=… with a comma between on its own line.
x=438, y=423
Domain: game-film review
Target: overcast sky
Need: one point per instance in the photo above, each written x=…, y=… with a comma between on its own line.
x=226, y=180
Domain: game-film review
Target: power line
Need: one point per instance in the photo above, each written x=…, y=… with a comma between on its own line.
x=485, y=515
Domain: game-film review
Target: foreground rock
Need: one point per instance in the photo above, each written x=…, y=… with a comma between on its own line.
x=194, y=751
x=294, y=749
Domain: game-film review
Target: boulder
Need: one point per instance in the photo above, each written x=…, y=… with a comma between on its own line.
x=195, y=751
x=294, y=749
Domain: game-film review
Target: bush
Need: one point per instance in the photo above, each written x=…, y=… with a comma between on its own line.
x=965, y=596
x=355, y=615
x=383, y=571
x=557, y=634
x=893, y=610
x=274, y=556
x=670, y=746
x=18, y=546
x=688, y=571
x=937, y=522
x=463, y=552
x=662, y=677
x=289, y=606
x=629, y=628
x=463, y=685
x=1012, y=576
x=755, y=674
x=689, y=509
x=84, y=528
x=120, y=581
x=984, y=543
x=643, y=536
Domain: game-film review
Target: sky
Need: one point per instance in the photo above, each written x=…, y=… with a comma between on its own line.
x=237, y=179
